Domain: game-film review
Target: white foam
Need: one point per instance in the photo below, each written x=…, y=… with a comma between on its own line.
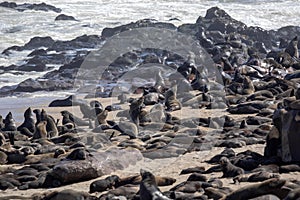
x=94, y=15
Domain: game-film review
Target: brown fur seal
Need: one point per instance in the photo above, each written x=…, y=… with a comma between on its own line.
x=101, y=118
x=78, y=154
x=104, y=184
x=159, y=82
x=228, y=169
x=92, y=110
x=293, y=195
x=191, y=186
x=1, y=122
x=51, y=125
x=41, y=131
x=135, y=110
x=255, y=177
x=10, y=124
x=67, y=195
x=292, y=48
x=171, y=101
x=78, y=121
x=248, y=87
x=37, y=116
x=66, y=121
x=136, y=180
x=28, y=121
x=270, y=186
x=148, y=187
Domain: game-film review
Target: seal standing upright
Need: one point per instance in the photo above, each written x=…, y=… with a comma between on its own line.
x=9, y=123
x=171, y=101
x=50, y=126
x=28, y=121
x=148, y=187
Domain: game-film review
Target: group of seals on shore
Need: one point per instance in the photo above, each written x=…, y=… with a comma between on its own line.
x=250, y=88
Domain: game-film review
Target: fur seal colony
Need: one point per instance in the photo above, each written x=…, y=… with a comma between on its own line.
x=179, y=138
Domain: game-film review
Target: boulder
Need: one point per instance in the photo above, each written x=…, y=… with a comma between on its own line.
x=95, y=165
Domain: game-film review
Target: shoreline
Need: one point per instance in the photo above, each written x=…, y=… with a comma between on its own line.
x=216, y=88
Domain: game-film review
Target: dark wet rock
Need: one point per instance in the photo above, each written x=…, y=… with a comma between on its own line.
x=64, y=17
x=70, y=171
x=108, y=32
x=217, y=25
x=259, y=34
x=287, y=32
x=192, y=29
x=34, y=43
x=31, y=85
x=27, y=6
x=81, y=42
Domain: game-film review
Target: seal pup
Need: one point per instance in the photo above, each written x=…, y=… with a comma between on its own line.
x=171, y=101
x=41, y=130
x=29, y=122
x=101, y=117
x=228, y=169
x=50, y=125
x=148, y=187
x=104, y=184
x=9, y=123
x=101, y=122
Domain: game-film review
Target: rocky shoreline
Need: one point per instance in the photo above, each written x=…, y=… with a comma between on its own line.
x=242, y=93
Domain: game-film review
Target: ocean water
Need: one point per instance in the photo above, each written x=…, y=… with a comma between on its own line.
x=16, y=28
